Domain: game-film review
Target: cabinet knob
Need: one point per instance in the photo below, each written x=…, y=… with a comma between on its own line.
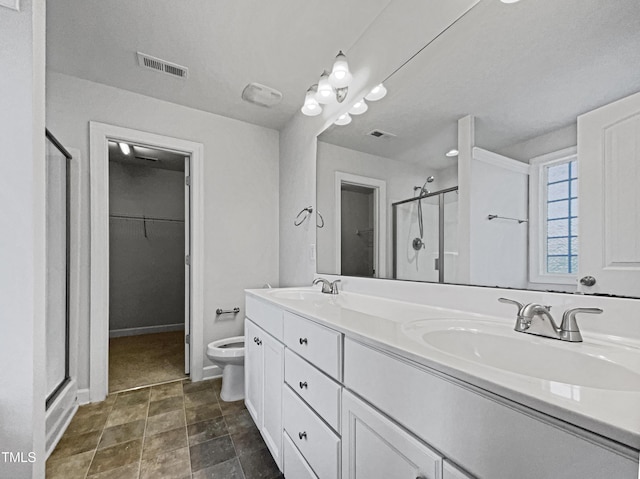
x=588, y=281
x=303, y=340
x=255, y=340
x=259, y=342
x=303, y=385
x=302, y=435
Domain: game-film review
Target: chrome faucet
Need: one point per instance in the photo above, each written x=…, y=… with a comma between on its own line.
x=536, y=319
x=327, y=286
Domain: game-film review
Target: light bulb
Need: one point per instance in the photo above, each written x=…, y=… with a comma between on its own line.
x=311, y=106
x=124, y=148
x=378, y=92
x=340, y=75
x=451, y=153
x=326, y=94
x=343, y=119
x=359, y=107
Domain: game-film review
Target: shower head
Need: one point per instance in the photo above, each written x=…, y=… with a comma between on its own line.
x=430, y=179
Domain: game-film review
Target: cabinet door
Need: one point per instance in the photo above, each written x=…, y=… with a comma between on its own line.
x=273, y=361
x=253, y=371
x=373, y=447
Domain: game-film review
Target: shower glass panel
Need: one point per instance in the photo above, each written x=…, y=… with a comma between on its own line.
x=57, y=281
x=430, y=254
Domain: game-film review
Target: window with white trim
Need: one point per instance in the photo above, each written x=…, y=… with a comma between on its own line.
x=554, y=213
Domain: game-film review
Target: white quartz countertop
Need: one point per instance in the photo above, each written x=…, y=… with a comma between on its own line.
x=386, y=324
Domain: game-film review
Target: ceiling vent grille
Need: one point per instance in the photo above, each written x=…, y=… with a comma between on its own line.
x=153, y=63
x=381, y=134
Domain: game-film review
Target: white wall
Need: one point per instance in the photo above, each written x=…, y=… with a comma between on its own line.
x=240, y=197
x=146, y=273
x=400, y=176
x=22, y=244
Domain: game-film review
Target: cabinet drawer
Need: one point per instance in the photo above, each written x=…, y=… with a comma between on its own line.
x=318, y=390
x=265, y=315
x=318, y=444
x=319, y=345
x=294, y=464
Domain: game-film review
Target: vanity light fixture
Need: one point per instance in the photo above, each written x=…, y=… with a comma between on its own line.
x=452, y=153
x=125, y=148
x=359, y=107
x=340, y=75
x=343, y=119
x=332, y=87
x=377, y=93
x=311, y=106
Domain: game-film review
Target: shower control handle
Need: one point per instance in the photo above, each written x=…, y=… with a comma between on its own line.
x=303, y=341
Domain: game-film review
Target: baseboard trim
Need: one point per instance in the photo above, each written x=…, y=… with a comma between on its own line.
x=211, y=372
x=163, y=328
x=59, y=416
x=83, y=396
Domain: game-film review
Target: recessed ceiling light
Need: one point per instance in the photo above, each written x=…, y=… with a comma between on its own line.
x=124, y=148
x=451, y=153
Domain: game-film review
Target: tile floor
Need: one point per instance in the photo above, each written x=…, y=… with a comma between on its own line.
x=170, y=431
x=136, y=361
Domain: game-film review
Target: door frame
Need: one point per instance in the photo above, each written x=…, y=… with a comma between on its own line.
x=100, y=134
x=379, y=215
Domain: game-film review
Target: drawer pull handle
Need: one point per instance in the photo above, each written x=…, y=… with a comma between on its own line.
x=303, y=385
x=303, y=340
x=302, y=435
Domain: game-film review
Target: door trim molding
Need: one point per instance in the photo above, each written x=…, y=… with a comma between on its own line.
x=100, y=134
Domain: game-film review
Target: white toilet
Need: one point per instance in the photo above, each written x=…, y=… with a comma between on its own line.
x=228, y=355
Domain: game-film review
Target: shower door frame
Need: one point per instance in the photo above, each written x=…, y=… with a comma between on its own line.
x=100, y=135
x=441, y=263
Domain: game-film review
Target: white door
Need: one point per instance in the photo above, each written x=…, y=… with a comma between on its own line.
x=373, y=447
x=253, y=369
x=273, y=370
x=609, y=210
x=187, y=266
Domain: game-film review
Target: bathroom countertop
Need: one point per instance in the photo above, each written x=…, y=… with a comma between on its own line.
x=382, y=323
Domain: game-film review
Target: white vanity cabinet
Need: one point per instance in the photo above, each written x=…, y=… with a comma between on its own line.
x=264, y=374
x=376, y=448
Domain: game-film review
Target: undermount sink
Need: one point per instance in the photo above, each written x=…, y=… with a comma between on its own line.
x=495, y=344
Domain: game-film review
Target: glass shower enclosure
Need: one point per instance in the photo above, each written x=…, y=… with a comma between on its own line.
x=426, y=252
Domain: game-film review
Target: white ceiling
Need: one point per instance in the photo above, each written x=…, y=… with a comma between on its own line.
x=523, y=70
x=284, y=44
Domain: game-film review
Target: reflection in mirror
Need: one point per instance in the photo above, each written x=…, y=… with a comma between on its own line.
x=505, y=85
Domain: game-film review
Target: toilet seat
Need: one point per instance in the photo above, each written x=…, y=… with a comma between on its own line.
x=223, y=348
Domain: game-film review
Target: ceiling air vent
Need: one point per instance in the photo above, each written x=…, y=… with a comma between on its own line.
x=261, y=95
x=381, y=134
x=153, y=63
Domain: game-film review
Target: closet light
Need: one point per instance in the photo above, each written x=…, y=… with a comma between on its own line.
x=340, y=75
x=343, y=119
x=124, y=148
x=359, y=107
x=378, y=92
x=311, y=106
x=452, y=153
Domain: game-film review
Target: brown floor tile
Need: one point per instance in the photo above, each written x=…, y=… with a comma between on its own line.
x=164, y=442
x=190, y=387
x=70, y=445
x=210, y=453
x=132, y=398
x=232, y=407
x=206, y=430
x=201, y=413
x=116, y=456
x=217, y=386
x=130, y=471
x=71, y=467
x=83, y=423
x=230, y=469
x=164, y=391
x=200, y=398
x=167, y=465
x=165, y=405
x=259, y=465
x=94, y=408
x=165, y=422
x=239, y=422
x=122, y=433
x=126, y=414
x=249, y=440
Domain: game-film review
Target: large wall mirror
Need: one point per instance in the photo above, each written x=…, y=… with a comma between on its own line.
x=506, y=83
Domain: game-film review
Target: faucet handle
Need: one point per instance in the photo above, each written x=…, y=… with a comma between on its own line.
x=569, y=326
x=518, y=304
x=334, y=286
